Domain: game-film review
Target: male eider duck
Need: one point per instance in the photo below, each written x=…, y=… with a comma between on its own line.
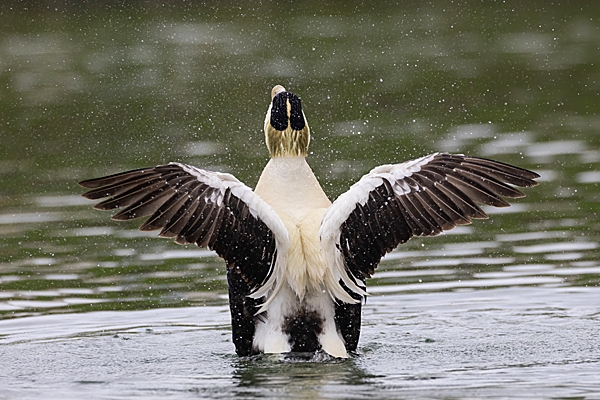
x=296, y=263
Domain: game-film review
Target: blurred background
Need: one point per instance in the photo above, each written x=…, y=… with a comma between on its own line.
x=92, y=88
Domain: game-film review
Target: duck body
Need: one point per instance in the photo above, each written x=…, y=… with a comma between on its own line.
x=296, y=263
x=302, y=318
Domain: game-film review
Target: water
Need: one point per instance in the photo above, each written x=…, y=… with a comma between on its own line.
x=507, y=307
x=497, y=343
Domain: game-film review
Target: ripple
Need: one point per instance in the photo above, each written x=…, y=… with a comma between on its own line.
x=83, y=300
x=555, y=247
x=7, y=307
x=37, y=303
x=588, y=177
x=443, y=262
x=38, y=293
x=524, y=236
x=506, y=143
x=61, y=201
x=403, y=274
x=512, y=209
x=539, y=269
x=529, y=268
x=61, y=277
x=553, y=148
x=459, y=251
x=577, y=271
x=563, y=256
x=67, y=325
x=476, y=283
x=9, y=278
x=32, y=217
x=72, y=291
x=40, y=261
x=174, y=254
x=460, y=135
x=124, y=252
x=91, y=231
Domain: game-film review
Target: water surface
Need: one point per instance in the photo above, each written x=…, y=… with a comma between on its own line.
x=507, y=307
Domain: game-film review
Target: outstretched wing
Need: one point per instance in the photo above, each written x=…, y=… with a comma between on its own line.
x=422, y=197
x=191, y=205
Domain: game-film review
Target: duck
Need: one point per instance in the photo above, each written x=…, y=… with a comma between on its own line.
x=297, y=264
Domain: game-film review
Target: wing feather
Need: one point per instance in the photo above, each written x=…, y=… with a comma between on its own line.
x=422, y=197
x=207, y=208
x=130, y=196
x=428, y=204
x=145, y=206
x=165, y=213
x=189, y=210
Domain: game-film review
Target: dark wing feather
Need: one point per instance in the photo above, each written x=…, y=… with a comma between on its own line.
x=194, y=206
x=423, y=197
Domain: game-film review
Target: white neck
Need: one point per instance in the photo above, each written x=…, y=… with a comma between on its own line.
x=289, y=186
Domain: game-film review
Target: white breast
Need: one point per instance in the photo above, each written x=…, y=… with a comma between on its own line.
x=291, y=188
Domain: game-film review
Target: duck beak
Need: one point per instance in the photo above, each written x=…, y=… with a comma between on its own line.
x=276, y=90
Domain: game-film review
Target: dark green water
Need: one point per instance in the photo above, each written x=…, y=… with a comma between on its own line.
x=507, y=307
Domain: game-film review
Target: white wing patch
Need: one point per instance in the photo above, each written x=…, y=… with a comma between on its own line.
x=259, y=210
x=341, y=209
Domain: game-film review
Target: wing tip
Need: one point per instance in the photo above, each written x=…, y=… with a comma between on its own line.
x=123, y=217
x=90, y=184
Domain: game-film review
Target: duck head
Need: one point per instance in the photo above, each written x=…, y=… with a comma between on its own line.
x=286, y=131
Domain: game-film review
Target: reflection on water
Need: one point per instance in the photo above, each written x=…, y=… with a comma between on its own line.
x=89, y=90
x=306, y=378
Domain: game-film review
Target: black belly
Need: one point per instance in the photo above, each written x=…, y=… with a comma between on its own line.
x=303, y=328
